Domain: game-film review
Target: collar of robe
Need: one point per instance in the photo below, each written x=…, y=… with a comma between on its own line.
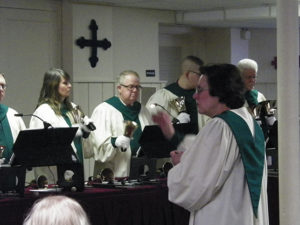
x=177, y=90
x=251, y=97
x=129, y=112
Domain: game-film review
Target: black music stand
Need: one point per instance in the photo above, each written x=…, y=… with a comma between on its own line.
x=50, y=147
x=44, y=147
x=155, y=145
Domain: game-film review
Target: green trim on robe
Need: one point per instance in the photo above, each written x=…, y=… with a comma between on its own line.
x=77, y=140
x=190, y=103
x=129, y=113
x=251, y=98
x=252, y=151
x=6, y=138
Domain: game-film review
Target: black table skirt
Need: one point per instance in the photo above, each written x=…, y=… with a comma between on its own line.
x=145, y=205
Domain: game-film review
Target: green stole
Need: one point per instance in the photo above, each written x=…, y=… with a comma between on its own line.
x=190, y=103
x=77, y=140
x=6, y=138
x=129, y=113
x=252, y=151
x=251, y=97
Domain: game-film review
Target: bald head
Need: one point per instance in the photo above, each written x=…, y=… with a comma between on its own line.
x=191, y=63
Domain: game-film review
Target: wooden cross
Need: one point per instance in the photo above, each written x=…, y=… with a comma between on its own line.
x=93, y=43
x=274, y=62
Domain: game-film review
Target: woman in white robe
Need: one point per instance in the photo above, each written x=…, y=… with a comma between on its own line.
x=210, y=176
x=55, y=108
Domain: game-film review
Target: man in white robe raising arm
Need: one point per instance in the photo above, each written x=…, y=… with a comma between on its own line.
x=220, y=175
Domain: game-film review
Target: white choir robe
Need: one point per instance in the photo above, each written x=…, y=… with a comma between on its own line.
x=16, y=123
x=210, y=179
x=109, y=123
x=46, y=113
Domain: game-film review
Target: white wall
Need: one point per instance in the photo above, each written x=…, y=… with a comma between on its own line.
x=262, y=48
x=132, y=32
x=29, y=45
x=217, y=45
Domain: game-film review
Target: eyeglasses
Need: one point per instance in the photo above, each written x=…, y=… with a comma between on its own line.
x=200, y=89
x=132, y=87
x=3, y=86
x=191, y=71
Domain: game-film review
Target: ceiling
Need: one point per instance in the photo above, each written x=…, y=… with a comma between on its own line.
x=208, y=13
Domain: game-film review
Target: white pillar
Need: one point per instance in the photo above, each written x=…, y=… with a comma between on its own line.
x=288, y=111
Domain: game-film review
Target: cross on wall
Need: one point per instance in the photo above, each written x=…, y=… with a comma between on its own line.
x=93, y=43
x=274, y=62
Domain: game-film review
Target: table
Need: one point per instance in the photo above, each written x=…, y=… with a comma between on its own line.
x=139, y=205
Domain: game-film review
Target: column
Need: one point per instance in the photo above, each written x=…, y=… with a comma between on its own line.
x=288, y=111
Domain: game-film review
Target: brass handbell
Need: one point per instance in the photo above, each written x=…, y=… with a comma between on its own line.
x=179, y=104
x=129, y=128
x=265, y=108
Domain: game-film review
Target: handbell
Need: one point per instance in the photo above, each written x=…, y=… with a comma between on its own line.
x=179, y=104
x=129, y=128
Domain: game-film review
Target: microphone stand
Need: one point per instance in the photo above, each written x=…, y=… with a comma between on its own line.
x=46, y=124
x=174, y=120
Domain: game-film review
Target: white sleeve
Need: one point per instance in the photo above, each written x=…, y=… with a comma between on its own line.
x=204, y=166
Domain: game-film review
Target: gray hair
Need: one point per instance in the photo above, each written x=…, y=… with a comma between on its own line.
x=59, y=210
x=123, y=75
x=247, y=64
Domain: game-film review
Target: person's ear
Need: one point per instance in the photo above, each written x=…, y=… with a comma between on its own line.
x=186, y=74
x=119, y=88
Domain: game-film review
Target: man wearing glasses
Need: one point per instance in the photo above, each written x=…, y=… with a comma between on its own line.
x=183, y=87
x=111, y=146
x=10, y=126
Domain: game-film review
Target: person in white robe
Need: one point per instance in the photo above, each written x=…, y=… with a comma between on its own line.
x=220, y=175
x=10, y=125
x=248, y=69
x=109, y=146
x=55, y=108
x=180, y=92
x=183, y=87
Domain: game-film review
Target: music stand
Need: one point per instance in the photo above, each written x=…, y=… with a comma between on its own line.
x=155, y=145
x=44, y=147
x=50, y=147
